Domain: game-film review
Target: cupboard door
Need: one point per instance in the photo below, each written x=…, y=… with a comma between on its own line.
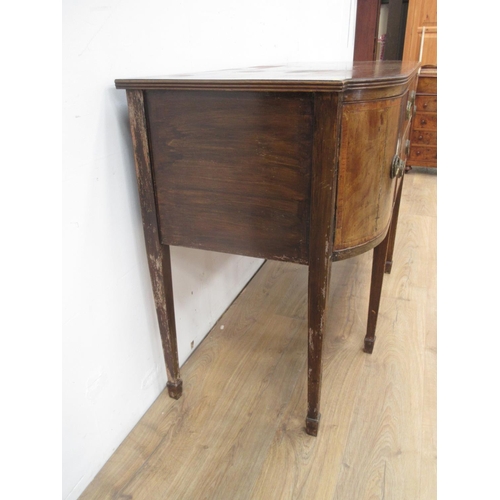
x=365, y=193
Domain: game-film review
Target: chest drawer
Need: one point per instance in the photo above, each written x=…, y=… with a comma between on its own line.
x=425, y=121
x=427, y=85
x=426, y=103
x=424, y=138
x=423, y=153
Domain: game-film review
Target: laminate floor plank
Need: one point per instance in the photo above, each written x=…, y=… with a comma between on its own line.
x=381, y=458
x=237, y=432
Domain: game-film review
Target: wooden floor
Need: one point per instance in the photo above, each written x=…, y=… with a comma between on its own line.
x=238, y=430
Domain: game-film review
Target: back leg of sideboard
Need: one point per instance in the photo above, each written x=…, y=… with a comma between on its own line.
x=158, y=254
x=378, y=268
x=392, y=230
x=168, y=333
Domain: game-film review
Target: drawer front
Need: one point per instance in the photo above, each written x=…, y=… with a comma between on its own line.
x=425, y=121
x=423, y=153
x=427, y=85
x=427, y=103
x=424, y=138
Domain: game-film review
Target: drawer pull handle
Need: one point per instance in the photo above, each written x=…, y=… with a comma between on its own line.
x=420, y=137
x=397, y=167
x=423, y=121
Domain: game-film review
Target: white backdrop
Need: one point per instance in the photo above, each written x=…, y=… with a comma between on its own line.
x=112, y=360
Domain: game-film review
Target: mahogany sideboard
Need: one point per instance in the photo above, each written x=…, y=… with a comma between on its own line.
x=297, y=163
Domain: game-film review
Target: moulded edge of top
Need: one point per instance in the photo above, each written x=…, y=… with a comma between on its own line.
x=369, y=75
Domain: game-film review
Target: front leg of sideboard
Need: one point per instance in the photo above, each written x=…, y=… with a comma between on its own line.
x=319, y=273
x=323, y=180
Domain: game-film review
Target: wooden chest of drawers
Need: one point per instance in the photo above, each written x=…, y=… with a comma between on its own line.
x=423, y=148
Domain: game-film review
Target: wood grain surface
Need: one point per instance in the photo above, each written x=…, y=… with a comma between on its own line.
x=294, y=77
x=427, y=82
x=327, y=117
x=232, y=171
x=370, y=133
x=426, y=102
x=238, y=430
x=425, y=121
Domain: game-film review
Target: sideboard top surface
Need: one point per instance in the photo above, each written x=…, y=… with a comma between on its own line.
x=309, y=77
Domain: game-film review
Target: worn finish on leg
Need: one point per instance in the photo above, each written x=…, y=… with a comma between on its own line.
x=378, y=268
x=393, y=228
x=323, y=192
x=167, y=329
x=158, y=255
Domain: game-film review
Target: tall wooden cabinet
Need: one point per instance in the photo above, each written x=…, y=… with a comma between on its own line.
x=421, y=44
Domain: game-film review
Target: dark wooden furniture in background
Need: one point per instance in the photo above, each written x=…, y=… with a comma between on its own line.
x=293, y=163
x=421, y=45
x=423, y=150
x=366, y=32
x=370, y=25
x=420, y=14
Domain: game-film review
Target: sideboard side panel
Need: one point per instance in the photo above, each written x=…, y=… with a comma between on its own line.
x=232, y=170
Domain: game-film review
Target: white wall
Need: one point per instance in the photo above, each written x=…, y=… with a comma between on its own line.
x=112, y=363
